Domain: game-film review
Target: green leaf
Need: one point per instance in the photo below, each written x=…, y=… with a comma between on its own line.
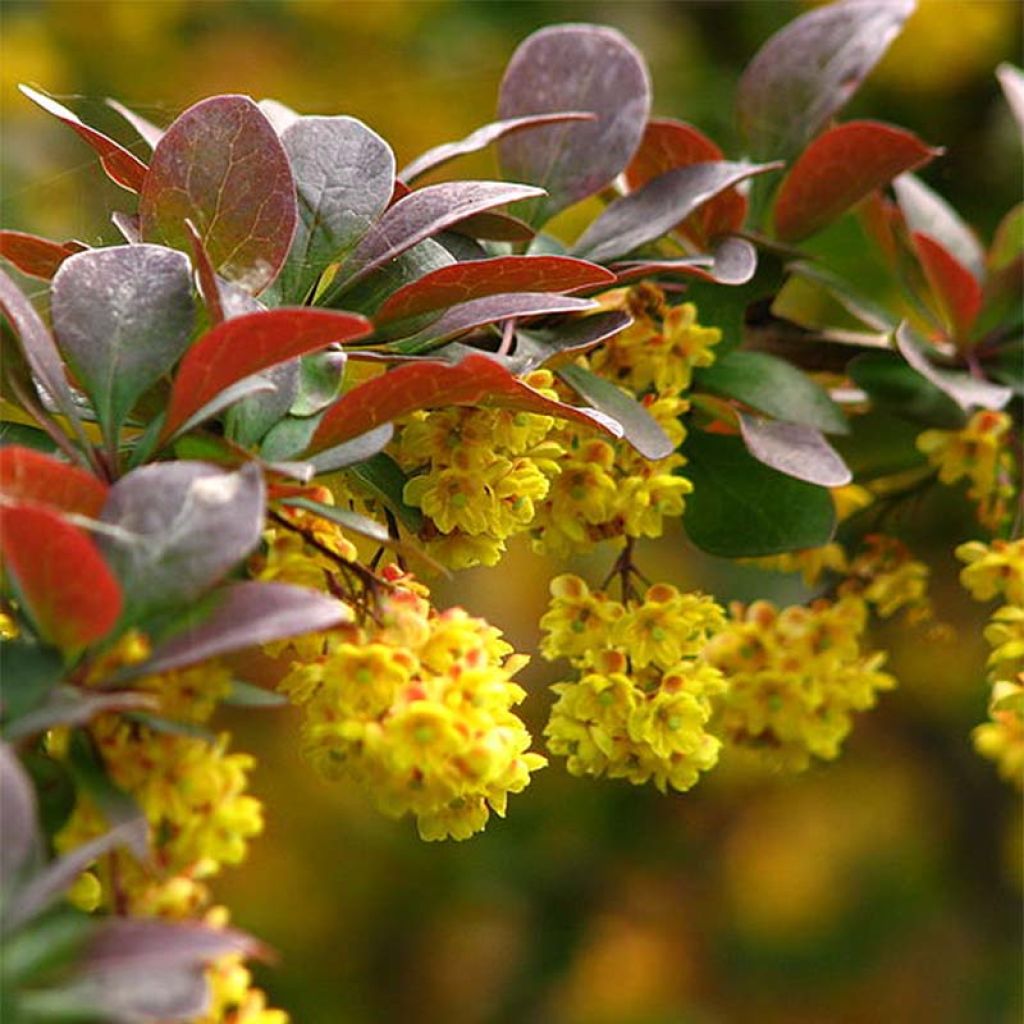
x=772, y=386
x=55, y=792
x=29, y=672
x=895, y=387
x=353, y=521
x=385, y=480
x=740, y=508
x=90, y=774
x=27, y=437
x=245, y=695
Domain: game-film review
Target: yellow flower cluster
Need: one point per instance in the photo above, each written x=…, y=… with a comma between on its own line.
x=994, y=570
x=189, y=787
x=416, y=705
x=981, y=453
x=604, y=488
x=886, y=576
x=640, y=707
x=478, y=475
x=794, y=678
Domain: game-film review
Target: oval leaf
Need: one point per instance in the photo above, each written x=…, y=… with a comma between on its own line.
x=733, y=262
x=344, y=175
x=37, y=257
x=220, y=165
x=740, y=508
x=535, y=347
x=772, y=386
x=180, y=527
x=481, y=138
x=795, y=449
x=238, y=348
x=652, y=211
x=957, y=291
x=122, y=167
x=123, y=316
x=639, y=427
x=30, y=476
x=807, y=71
x=838, y=169
x=572, y=67
x=475, y=279
x=668, y=144
x=247, y=615
x=425, y=212
x=69, y=591
x=475, y=380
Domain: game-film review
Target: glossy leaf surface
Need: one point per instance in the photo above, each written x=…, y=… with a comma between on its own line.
x=740, y=508
x=344, y=174
x=37, y=257
x=122, y=166
x=425, y=212
x=122, y=316
x=475, y=380
x=668, y=144
x=838, y=169
x=30, y=476
x=806, y=72
x=221, y=165
x=483, y=137
x=247, y=615
x=475, y=279
x=180, y=527
x=733, y=262
x=653, y=210
x=238, y=348
x=67, y=588
x=572, y=67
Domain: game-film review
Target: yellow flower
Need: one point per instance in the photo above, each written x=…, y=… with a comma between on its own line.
x=1005, y=635
x=1001, y=739
x=577, y=621
x=996, y=568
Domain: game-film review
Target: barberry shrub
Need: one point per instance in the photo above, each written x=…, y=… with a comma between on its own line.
x=305, y=384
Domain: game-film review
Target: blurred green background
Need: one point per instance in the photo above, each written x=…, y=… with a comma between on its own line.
x=884, y=887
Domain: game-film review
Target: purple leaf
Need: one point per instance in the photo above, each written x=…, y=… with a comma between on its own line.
x=344, y=175
x=221, y=165
x=425, y=212
x=121, y=166
x=246, y=615
x=19, y=838
x=805, y=73
x=495, y=227
x=40, y=351
x=927, y=213
x=489, y=309
x=123, y=317
x=279, y=115
x=733, y=262
x=148, y=131
x=481, y=138
x=71, y=706
x=573, y=67
x=967, y=391
x=657, y=207
x=795, y=449
x=536, y=347
x=168, y=995
x=1012, y=81
x=128, y=225
x=639, y=427
x=142, y=944
x=180, y=527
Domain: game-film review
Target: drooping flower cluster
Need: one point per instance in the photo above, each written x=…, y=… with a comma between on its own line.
x=997, y=570
x=794, y=678
x=980, y=453
x=605, y=488
x=640, y=706
x=885, y=575
x=477, y=475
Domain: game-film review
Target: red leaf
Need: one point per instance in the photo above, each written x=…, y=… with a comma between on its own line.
x=247, y=344
x=840, y=168
x=30, y=476
x=121, y=166
x=475, y=380
x=222, y=166
x=474, y=279
x=956, y=289
x=206, y=275
x=37, y=257
x=68, y=589
x=668, y=144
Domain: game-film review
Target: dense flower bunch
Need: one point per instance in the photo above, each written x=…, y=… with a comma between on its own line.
x=414, y=704
x=982, y=454
x=795, y=677
x=604, y=489
x=997, y=570
x=885, y=575
x=640, y=706
x=478, y=475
